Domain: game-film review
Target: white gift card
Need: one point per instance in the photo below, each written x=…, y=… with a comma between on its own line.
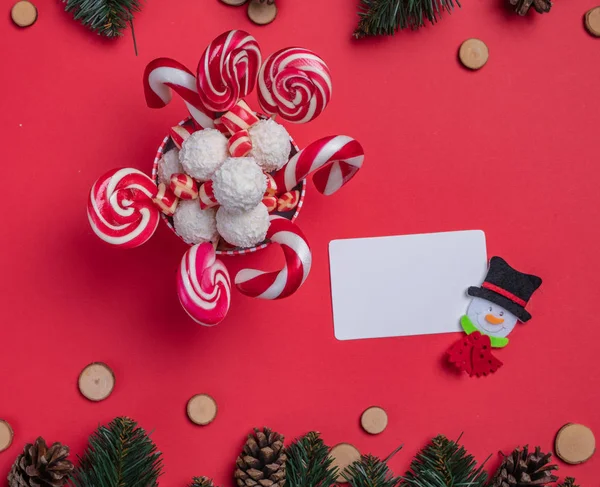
x=404, y=285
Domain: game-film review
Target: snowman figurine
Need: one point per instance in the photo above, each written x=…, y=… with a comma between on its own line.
x=492, y=314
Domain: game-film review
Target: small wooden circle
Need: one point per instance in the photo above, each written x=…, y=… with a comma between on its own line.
x=202, y=409
x=343, y=455
x=575, y=443
x=96, y=381
x=234, y=3
x=473, y=54
x=592, y=21
x=262, y=13
x=6, y=435
x=374, y=420
x=24, y=13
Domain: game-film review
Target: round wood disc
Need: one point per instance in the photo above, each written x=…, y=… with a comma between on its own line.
x=473, y=54
x=374, y=420
x=575, y=443
x=262, y=13
x=24, y=13
x=96, y=381
x=592, y=21
x=234, y=3
x=6, y=435
x=343, y=455
x=202, y=409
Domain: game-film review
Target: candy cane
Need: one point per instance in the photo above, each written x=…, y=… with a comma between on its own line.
x=334, y=161
x=294, y=83
x=163, y=75
x=120, y=207
x=283, y=283
x=227, y=70
x=203, y=285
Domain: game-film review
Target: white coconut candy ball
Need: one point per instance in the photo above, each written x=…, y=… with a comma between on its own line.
x=243, y=229
x=168, y=165
x=193, y=224
x=202, y=153
x=271, y=144
x=239, y=184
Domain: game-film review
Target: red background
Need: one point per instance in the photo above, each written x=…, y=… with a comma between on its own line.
x=511, y=149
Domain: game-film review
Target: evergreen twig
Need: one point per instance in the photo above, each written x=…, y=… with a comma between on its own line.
x=106, y=17
x=568, y=482
x=309, y=464
x=201, y=482
x=370, y=471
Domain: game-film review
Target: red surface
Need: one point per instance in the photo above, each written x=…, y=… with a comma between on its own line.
x=511, y=149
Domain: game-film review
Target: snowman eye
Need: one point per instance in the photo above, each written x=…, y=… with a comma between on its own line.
x=490, y=309
x=501, y=313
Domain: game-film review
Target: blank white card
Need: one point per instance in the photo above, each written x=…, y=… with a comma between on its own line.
x=404, y=285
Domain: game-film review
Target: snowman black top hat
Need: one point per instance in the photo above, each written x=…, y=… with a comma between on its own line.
x=507, y=287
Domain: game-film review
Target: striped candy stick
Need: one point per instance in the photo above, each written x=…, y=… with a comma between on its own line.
x=165, y=200
x=282, y=283
x=184, y=186
x=239, y=144
x=240, y=117
x=206, y=196
x=288, y=201
x=180, y=133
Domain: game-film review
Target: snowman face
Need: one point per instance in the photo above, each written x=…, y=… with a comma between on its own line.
x=491, y=319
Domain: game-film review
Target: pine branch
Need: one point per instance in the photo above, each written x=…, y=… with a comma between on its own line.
x=370, y=471
x=309, y=464
x=106, y=17
x=568, y=482
x=444, y=463
x=120, y=454
x=386, y=17
x=201, y=482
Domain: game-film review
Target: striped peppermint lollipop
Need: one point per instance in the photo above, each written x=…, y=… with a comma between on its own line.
x=283, y=283
x=294, y=83
x=333, y=160
x=120, y=207
x=228, y=69
x=163, y=75
x=203, y=285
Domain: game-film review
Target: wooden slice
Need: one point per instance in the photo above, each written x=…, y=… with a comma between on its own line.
x=96, y=381
x=6, y=435
x=343, y=455
x=473, y=54
x=575, y=443
x=234, y=3
x=592, y=21
x=374, y=420
x=24, y=14
x=262, y=13
x=202, y=409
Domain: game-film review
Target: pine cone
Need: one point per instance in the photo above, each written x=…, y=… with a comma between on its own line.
x=262, y=461
x=523, y=6
x=202, y=482
x=522, y=469
x=40, y=466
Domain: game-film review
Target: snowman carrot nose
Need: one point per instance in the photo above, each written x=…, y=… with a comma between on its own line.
x=494, y=320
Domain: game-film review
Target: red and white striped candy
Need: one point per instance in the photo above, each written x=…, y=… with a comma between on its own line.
x=163, y=75
x=120, y=207
x=294, y=83
x=333, y=161
x=288, y=201
x=165, y=200
x=184, y=186
x=271, y=186
x=239, y=144
x=270, y=202
x=203, y=285
x=240, y=117
x=206, y=196
x=220, y=126
x=180, y=133
x=283, y=283
x=228, y=69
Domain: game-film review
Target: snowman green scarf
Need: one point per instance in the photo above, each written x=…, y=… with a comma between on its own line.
x=469, y=327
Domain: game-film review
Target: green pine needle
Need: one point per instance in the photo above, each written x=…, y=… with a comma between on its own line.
x=444, y=463
x=119, y=455
x=201, y=482
x=309, y=464
x=370, y=471
x=386, y=17
x=568, y=482
x=106, y=17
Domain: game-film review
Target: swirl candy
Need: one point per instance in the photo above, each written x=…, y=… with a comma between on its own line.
x=165, y=200
x=120, y=207
x=334, y=161
x=184, y=186
x=203, y=285
x=271, y=186
x=270, y=202
x=163, y=75
x=239, y=144
x=283, y=283
x=294, y=83
x=288, y=201
x=227, y=70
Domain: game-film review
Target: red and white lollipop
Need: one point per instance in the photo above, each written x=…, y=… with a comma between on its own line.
x=120, y=207
x=282, y=283
x=203, y=285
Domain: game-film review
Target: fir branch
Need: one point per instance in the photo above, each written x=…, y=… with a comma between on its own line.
x=444, y=463
x=309, y=464
x=120, y=454
x=370, y=471
x=202, y=482
x=386, y=17
x=568, y=482
x=106, y=17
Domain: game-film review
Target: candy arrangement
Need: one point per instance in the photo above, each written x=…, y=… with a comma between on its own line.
x=229, y=180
